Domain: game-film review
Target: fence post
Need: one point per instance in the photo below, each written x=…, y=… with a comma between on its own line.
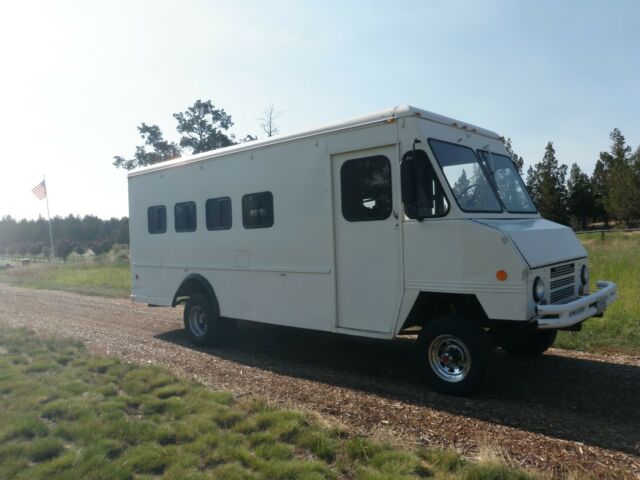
x=602, y=235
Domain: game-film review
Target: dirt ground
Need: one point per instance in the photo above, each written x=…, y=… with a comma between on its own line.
x=566, y=411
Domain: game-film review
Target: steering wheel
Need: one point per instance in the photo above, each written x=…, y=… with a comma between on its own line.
x=469, y=187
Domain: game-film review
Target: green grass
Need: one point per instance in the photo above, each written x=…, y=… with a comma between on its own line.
x=617, y=258
x=103, y=278
x=66, y=414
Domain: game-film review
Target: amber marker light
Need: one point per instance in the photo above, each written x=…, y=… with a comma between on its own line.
x=501, y=275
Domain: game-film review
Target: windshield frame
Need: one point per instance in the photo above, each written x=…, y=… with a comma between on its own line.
x=502, y=209
x=535, y=211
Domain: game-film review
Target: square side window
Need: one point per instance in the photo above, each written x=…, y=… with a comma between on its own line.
x=157, y=219
x=185, y=217
x=257, y=210
x=218, y=213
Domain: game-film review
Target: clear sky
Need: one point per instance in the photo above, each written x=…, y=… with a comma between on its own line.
x=77, y=77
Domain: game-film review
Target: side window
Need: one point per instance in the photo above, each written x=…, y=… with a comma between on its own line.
x=365, y=185
x=185, y=217
x=257, y=210
x=218, y=212
x=422, y=193
x=157, y=219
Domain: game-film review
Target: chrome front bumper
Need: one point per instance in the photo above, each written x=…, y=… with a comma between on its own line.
x=567, y=314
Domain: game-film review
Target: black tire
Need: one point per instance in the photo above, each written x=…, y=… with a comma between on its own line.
x=202, y=322
x=529, y=344
x=439, y=345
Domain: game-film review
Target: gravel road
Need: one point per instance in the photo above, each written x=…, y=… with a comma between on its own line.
x=563, y=411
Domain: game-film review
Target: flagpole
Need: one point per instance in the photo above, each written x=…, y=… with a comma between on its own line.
x=48, y=216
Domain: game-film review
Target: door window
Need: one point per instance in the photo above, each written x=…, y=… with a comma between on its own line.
x=366, y=189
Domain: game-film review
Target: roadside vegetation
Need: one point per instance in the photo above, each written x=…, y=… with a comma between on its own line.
x=616, y=258
x=105, y=276
x=67, y=414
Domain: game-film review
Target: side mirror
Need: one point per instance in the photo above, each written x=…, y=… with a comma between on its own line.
x=407, y=180
x=411, y=173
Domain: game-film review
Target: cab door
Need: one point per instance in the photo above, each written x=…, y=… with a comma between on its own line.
x=367, y=239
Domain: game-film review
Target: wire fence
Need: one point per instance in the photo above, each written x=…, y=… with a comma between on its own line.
x=26, y=260
x=610, y=230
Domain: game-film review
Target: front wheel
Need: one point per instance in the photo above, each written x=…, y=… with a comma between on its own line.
x=455, y=355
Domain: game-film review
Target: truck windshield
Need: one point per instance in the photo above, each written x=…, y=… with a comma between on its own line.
x=508, y=182
x=466, y=177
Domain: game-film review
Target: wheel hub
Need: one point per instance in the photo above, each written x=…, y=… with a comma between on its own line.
x=197, y=321
x=449, y=358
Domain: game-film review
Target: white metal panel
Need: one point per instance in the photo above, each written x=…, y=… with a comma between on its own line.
x=460, y=256
x=540, y=241
x=368, y=259
x=363, y=138
x=281, y=274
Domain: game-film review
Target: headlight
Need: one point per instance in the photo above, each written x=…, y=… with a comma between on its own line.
x=584, y=275
x=538, y=290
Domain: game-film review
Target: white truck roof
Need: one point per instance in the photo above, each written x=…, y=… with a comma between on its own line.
x=372, y=118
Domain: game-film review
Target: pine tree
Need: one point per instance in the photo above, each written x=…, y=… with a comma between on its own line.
x=622, y=195
x=580, y=198
x=517, y=160
x=161, y=150
x=204, y=127
x=599, y=189
x=546, y=184
x=623, y=199
x=635, y=161
x=462, y=188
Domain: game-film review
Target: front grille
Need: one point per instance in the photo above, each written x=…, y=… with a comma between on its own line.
x=563, y=280
x=561, y=294
x=563, y=270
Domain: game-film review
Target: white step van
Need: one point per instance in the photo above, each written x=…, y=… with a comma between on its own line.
x=395, y=222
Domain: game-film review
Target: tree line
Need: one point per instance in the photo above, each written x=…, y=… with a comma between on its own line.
x=71, y=233
x=571, y=196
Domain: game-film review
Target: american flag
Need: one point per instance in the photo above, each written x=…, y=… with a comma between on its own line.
x=40, y=190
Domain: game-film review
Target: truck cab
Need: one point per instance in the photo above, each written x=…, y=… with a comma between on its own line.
x=479, y=257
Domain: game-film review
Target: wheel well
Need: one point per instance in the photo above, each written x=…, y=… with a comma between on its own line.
x=195, y=284
x=430, y=305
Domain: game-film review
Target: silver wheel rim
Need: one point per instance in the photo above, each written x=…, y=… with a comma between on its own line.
x=197, y=321
x=449, y=358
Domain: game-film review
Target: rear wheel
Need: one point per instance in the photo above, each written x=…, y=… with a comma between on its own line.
x=202, y=323
x=456, y=356
x=529, y=344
